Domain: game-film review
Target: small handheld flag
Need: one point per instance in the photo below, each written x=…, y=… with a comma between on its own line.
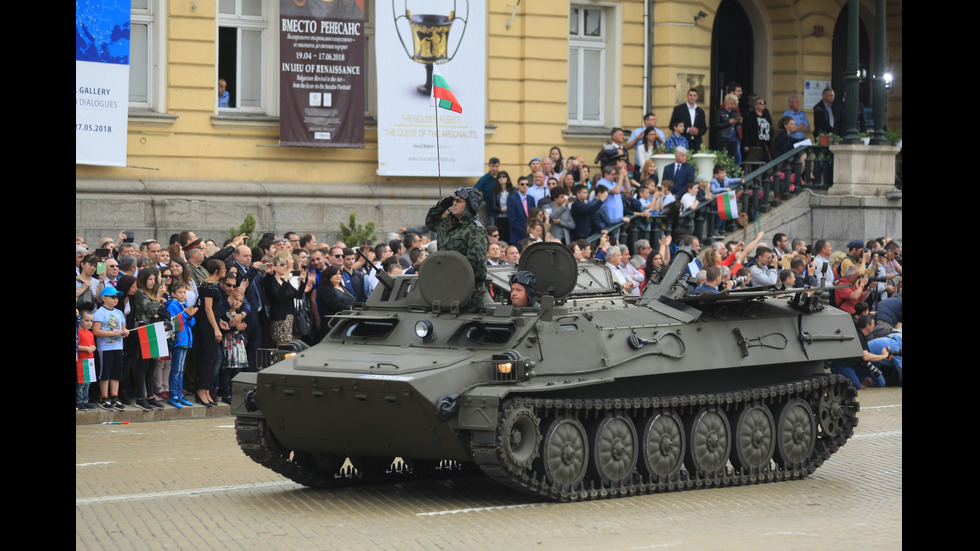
x=153, y=341
x=727, y=206
x=85, y=370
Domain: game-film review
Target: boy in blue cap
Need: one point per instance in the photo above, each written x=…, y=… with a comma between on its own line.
x=109, y=328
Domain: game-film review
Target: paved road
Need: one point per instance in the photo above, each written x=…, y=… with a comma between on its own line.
x=185, y=485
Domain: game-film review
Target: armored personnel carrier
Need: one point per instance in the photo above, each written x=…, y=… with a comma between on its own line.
x=586, y=395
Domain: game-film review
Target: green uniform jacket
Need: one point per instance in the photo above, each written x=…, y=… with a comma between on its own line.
x=469, y=238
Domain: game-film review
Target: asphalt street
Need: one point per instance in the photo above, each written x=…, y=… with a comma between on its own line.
x=184, y=484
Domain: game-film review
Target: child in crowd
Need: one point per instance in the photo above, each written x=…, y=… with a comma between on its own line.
x=109, y=328
x=652, y=199
x=181, y=316
x=721, y=183
x=85, y=350
x=233, y=345
x=690, y=199
x=643, y=206
x=656, y=195
x=676, y=138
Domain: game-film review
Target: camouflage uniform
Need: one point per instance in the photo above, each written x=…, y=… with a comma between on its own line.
x=467, y=236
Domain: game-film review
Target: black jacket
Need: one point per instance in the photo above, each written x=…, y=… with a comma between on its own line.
x=682, y=114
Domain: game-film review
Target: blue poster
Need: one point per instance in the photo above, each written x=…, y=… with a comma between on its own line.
x=101, y=81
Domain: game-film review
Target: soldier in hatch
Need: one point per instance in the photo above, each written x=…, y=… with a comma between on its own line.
x=454, y=220
x=522, y=289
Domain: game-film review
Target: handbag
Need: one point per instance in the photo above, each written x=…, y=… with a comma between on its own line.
x=302, y=322
x=234, y=351
x=86, y=301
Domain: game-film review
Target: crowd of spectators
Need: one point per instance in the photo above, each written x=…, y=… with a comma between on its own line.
x=225, y=303
x=228, y=301
x=742, y=126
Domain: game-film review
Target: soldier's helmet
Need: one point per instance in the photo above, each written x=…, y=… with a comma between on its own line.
x=473, y=198
x=526, y=279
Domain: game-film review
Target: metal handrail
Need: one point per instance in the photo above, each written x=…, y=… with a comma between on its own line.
x=767, y=186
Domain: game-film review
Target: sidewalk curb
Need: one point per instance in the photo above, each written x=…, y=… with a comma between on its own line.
x=134, y=414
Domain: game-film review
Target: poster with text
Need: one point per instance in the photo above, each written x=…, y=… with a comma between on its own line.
x=451, y=35
x=321, y=75
x=813, y=92
x=101, y=81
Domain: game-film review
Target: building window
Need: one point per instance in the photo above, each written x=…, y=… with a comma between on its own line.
x=586, y=65
x=139, y=54
x=593, y=63
x=242, y=53
x=146, y=51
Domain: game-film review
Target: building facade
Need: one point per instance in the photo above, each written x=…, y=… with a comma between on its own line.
x=559, y=73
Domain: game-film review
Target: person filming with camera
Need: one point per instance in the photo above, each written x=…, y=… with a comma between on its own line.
x=857, y=291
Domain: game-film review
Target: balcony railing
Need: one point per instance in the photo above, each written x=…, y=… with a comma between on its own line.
x=765, y=188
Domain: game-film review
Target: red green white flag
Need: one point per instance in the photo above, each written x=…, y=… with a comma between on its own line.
x=85, y=370
x=153, y=341
x=178, y=321
x=442, y=94
x=727, y=206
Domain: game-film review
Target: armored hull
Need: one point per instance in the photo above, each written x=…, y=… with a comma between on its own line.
x=587, y=394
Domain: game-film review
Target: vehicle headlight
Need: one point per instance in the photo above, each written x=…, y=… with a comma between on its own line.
x=423, y=330
x=509, y=366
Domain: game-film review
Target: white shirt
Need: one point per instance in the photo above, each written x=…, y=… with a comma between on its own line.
x=372, y=279
x=687, y=200
x=818, y=275
x=693, y=111
x=629, y=271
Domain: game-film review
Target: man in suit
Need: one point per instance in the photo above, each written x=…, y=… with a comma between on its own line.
x=494, y=254
x=518, y=204
x=253, y=332
x=679, y=172
x=693, y=116
x=828, y=117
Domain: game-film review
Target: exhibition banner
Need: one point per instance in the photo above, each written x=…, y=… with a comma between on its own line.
x=412, y=39
x=101, y=81
x=321, y=75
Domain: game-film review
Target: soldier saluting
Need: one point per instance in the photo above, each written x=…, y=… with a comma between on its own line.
x=454, y=220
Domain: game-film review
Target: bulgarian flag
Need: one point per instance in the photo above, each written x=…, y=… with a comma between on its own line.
x=85, y=370
x=727, y=206
x=153, y=341
x=442, y=95
x=178, y=322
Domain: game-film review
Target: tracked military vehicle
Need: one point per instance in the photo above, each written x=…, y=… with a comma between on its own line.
x=586, y=395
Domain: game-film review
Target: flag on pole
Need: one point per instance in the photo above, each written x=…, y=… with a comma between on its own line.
x=85, y=370
x=178, y=321
x=727, y=206
x=153, y=341
x=442, y=95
